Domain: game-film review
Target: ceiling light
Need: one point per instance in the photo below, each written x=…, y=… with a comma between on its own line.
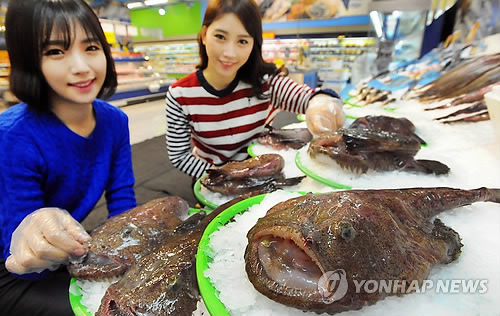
x=154, y=2
x=133, y=5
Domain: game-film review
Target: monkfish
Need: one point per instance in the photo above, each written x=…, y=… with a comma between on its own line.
x=294, y=138
x=400, y=125
x=296, y=248
x=160, y=283
x=360, y=150
x=163, y=282
x=256, y=173
x=123, y=239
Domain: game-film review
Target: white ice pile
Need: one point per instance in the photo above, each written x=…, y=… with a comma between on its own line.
x=91, y=292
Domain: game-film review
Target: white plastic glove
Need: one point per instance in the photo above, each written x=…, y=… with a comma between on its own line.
x=324, y=114
x=45, y=239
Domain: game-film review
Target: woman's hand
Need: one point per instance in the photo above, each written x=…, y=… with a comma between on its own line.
x=324, y=114
x=45, y=239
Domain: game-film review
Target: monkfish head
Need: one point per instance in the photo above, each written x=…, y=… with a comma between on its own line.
x=366, y=236
x=125, y=238
x=163, y=282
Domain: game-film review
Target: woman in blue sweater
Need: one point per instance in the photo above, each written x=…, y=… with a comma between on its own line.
x=60, y=150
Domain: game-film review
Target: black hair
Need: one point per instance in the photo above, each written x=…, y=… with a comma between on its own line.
x=28, y=27
x=248, y=12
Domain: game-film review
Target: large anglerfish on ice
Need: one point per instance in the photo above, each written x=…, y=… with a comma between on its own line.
x=360, y=150
x=396, y=125
x=164, y=281
x=123, y=239
x=366, y=234
x=285, y=138
x=256, y=173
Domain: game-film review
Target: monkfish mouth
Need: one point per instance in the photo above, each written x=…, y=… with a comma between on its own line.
x=287, y=261
x=97, y=267
x=114, y=309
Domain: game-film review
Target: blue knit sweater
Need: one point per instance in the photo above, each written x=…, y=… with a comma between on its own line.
x=45, y=164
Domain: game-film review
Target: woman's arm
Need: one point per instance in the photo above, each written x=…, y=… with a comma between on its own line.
x=33, y=238
x=120, y=186
x=287, y=95
x=21, y=182
x=179, y=141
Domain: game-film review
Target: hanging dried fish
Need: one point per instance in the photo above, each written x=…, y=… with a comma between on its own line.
x=479, y=117
x=476, y=107
x=466, y=98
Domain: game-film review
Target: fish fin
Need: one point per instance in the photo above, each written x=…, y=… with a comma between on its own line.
x=496, y=195
x=191, y=222
x=432, y=166
x=421, y=141
x=288, y=182
x=443, y=232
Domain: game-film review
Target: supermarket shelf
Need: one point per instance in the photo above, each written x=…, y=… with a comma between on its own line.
x=131, y=59
x=358, y=23
x=127, y=97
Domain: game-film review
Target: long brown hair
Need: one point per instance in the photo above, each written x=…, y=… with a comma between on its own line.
x=248, y=12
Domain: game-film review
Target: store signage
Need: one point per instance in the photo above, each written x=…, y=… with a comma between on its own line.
x=268, y=35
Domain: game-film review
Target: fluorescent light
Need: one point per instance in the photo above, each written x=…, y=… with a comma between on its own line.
x=155, y=2
x=133, y=5
x=377, y=24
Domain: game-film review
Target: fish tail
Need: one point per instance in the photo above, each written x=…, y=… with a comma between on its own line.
x=288, y=182
x=432, y=166
x=495, y=195
x=420, y=140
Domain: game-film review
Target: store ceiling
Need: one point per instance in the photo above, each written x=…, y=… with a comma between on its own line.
x=137, y=3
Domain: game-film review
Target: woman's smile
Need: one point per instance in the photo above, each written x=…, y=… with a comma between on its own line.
x=83, y=86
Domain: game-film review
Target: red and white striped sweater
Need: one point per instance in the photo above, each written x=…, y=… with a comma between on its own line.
x=222, y=123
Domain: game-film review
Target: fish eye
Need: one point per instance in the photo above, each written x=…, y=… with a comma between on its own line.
x=127, y=231
x=346, y=231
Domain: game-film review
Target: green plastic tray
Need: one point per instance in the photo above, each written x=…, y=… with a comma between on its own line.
x=208, y=292
x=75, y=300
x=200, y=197
x=250, y=149
x=308, y=172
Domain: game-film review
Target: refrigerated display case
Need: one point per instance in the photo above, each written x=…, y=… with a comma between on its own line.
x=138, y=80
x=171, y=59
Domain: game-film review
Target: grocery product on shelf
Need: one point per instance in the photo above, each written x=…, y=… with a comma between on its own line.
x=137, y=78
x=171, y=60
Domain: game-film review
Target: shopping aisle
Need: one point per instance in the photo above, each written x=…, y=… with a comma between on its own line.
x=146, y=120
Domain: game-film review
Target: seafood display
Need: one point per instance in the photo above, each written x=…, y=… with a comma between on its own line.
x=256, y=173
x=467, y=77
x=294, y=138
x=472, y=97
x=368, y=234
x=479, y=107
x=163, y=282
x=401, y=126
x=125, y=238
x=368, y=95
x=360, y=150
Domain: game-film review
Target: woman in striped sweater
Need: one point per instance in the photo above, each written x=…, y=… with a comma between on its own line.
x=233, y=94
